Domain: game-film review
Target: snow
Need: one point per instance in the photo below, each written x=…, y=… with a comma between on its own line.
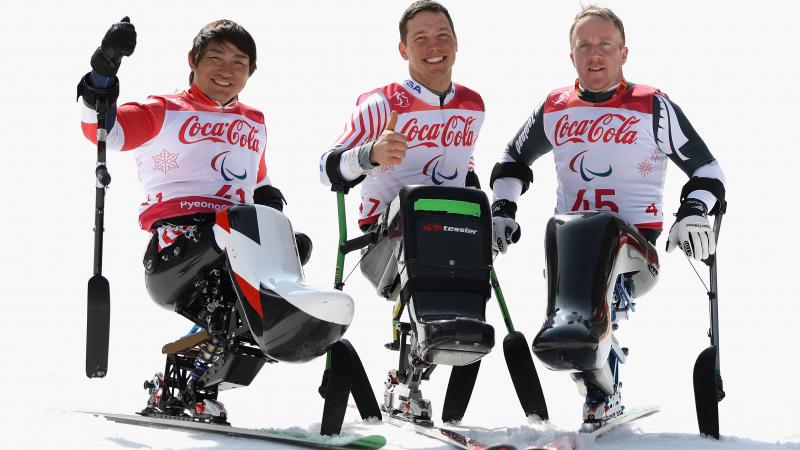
x=730, y=66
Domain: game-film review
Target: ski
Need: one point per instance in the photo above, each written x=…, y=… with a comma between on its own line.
x=451, y=437
x=570, y=441
x=288, y=437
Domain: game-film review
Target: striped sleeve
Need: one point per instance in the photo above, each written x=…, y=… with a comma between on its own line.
x=366, y=123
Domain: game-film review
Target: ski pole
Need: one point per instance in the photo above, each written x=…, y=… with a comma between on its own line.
x=713, y=298
x=98, y=296
x=337, y=281
x=501, y=301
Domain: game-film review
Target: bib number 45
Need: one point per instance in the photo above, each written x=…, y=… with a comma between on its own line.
x=583, y=204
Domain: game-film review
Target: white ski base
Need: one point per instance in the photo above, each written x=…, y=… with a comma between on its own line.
x=285, y=436
x=570, y=441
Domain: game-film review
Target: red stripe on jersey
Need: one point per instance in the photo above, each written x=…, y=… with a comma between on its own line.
x=181, y=206
x=638, y=97
x=380, y=125
x=252, y=294
x=369, y=220
x=371, y=134
x=347, y=133
x=360, y=134
x=651, y=225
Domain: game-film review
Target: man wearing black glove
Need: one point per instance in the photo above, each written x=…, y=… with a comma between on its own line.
x=198, y=152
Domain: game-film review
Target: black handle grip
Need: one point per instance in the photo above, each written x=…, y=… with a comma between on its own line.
x=103, y=177
x=358, y=243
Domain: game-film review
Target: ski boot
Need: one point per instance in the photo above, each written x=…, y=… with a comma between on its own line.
x=200, y=407
x=155, y=391
x=599, y=408
x=404, y=402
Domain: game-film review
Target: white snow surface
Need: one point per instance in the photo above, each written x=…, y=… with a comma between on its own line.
x=731, y=66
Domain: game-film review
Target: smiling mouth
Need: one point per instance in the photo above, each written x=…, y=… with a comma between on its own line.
x=221, y=83
x=435, y=59
x=596, y=69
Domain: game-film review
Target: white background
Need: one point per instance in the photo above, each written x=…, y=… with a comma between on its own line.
x=731, y=66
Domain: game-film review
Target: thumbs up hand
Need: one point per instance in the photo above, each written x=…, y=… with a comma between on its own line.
x=390, y=148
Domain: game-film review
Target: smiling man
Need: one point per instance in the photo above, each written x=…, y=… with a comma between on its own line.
x=611, y=140
x=421, y=130
x=198, y=152
x=418, y=131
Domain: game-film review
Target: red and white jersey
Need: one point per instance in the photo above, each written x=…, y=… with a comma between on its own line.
x=441, y=134
x=193, y=154
x=611, y=155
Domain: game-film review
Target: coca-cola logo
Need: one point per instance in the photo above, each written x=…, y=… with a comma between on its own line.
x=457, y=132
x=237, y=132
x=609, y=127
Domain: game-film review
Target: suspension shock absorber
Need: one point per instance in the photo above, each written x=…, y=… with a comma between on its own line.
x=209, y=352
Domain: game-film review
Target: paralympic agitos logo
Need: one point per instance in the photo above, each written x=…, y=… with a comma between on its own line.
x=237, y=132
x=218, y=163
x=430, y=169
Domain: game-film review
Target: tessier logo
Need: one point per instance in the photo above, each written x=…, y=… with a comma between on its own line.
x=609, y=127
x=457, y=131
x=237, y=132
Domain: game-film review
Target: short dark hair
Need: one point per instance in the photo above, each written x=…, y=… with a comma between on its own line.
x=599, y=11
x=416, y=8
x=223, y=31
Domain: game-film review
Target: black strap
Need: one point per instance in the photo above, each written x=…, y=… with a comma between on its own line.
x=90, y=93
x=339, y=184
x=269, y=195
x=514, y=170
x=433, y=284
x=472, y=180
x=712, y=185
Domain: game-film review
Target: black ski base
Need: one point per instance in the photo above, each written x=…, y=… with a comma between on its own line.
x=98, y=318
x=346, y=376
x=459, y=391
x=524, y=376
x=706, y=395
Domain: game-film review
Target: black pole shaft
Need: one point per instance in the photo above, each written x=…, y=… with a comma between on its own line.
x=713, y=294
x=101, y=173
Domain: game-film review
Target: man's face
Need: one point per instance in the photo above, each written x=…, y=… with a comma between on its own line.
x=430, y=49
x=597, y=53
x=222, y=71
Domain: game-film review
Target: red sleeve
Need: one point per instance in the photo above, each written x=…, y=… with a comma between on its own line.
x=136, y=123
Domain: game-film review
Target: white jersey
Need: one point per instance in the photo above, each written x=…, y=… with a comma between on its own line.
x=611, y=155
x=193, y=154
x=441, y=133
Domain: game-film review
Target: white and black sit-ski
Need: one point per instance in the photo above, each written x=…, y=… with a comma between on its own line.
x=253, y=305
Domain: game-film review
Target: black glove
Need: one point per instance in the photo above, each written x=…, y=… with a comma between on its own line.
x=119, y=41
x=505, y=230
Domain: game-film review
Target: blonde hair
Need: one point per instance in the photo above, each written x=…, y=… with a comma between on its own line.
x=599, y=11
